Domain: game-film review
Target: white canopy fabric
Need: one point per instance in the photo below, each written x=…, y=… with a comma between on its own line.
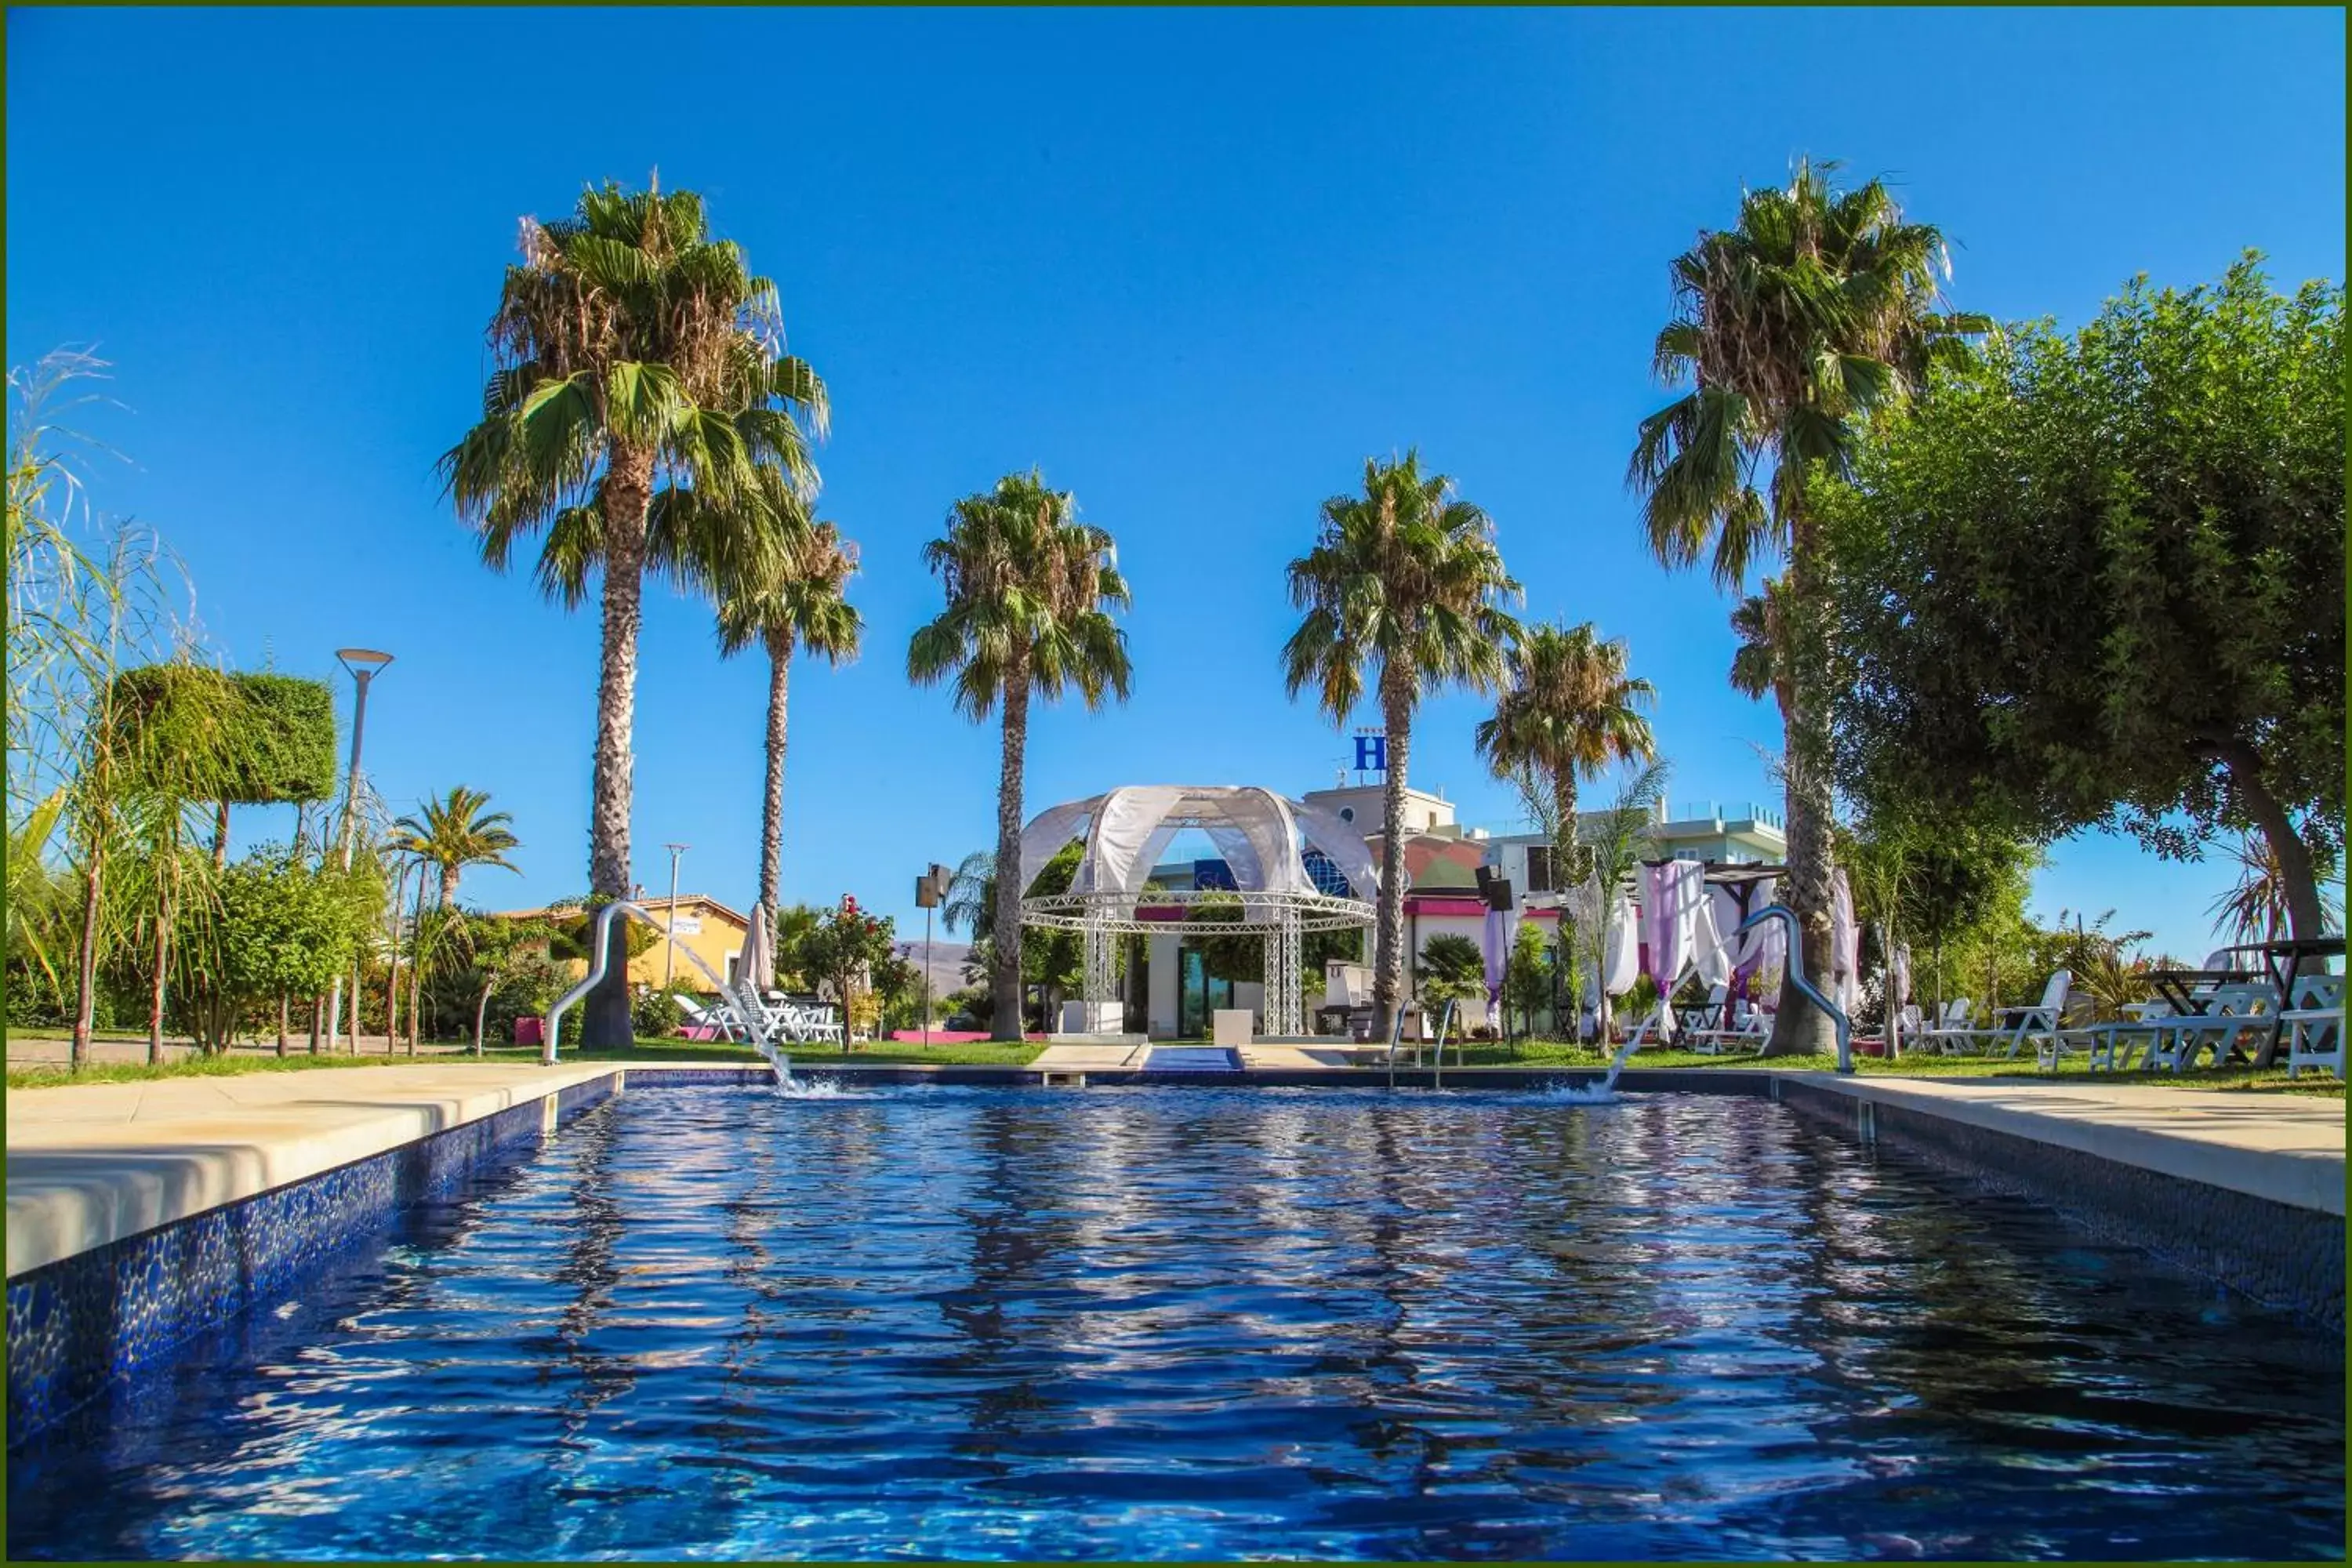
x=1259, y=832
x=1341, y=845
x=1845, y=945
x=1708, y=956
x=1671, y=895
x=1047, y=832
x=1621, y=961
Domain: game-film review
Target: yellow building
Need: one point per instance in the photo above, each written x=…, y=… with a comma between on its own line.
x=698, y=923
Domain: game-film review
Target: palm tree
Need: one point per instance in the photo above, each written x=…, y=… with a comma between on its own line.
x=456, y=831
x=971, y=895
x=1757, y=668
x=1403, y=592
x=2256, y=907
x=1029, y=610
x=1029, y=594
x=1571, y=711
x=1818, y=308
x=641, y=414
x=802, y=607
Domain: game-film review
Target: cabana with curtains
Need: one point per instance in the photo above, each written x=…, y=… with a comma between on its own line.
x=1677, y=918
x=1262, y=836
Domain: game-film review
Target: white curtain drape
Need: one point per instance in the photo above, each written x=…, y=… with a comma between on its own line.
x=1671, y=895
x=1621, y=961
x=1845, y=946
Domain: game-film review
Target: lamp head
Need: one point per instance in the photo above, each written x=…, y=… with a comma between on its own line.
x=363, y=662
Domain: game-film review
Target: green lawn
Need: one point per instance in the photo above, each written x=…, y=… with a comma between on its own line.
x=988, y=1053
x=296, y=1060
x=1555, y=1053
x=980, y=1053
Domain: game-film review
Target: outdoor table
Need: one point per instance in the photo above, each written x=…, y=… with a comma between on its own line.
x=2174, y=986
x=2281, y=960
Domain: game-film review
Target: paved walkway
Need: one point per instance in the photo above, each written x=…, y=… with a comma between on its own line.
x=34, y=1052
x=90, y=1164
x=2288, y=1148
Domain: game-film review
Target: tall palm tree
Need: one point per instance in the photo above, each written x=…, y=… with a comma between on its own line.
x=1029, y=594
x=1757, y=621
x=802, y=607
x=1820, y=306
x=1403, y=592
x=456, y=831
x=1571, y=711
x=638, y=416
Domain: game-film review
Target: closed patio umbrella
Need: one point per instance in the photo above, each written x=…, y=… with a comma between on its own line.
x=757, y=967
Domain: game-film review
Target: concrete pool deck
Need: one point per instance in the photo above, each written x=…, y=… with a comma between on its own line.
x=2288, y=1149
x=90, y=1164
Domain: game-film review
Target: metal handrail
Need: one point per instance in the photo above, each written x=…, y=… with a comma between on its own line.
x=602, y=960
x=1797, y=978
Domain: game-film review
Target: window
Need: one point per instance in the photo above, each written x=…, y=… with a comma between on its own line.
x=1539, y=870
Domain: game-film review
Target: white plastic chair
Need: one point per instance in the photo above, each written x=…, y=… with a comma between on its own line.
x=2314, y=1025
x=1953, y=1018
x=1749, y=1027
x=2037, y=1023
x=2231, y=1010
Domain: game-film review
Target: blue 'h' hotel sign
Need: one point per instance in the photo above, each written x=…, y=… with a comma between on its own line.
x=1372, y=753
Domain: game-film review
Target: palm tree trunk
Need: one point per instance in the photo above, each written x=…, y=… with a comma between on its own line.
x=1800, y=1028
x=168, y=872
x=449, y=885
x=86, y=998
x=392, y=982
x=771, y=814
x=1567, y=852
x=220, y=837
x=157, y=984
x=482, y=1019
x=1004, y=981
x=628, y=492
x=1388, y=948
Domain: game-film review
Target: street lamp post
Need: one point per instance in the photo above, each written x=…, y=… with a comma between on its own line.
x=931, y=891
x=364, y=663
x=670, y=935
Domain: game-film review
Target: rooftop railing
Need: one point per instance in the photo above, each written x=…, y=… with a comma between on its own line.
x=1718, y=811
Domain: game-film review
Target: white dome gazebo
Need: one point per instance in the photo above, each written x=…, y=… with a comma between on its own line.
x=1263, y=837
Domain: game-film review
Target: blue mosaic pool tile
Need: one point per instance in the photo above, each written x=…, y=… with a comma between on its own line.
x=2278, y=1254
x=76, y=1324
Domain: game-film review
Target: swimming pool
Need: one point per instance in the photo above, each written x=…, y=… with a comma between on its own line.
x=1207, y=1323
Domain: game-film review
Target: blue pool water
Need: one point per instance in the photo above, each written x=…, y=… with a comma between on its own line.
x=1209, y=1323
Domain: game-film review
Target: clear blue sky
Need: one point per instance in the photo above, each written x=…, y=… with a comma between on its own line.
x=1198, y=265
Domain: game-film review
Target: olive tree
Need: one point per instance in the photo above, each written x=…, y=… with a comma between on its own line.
x=2098, y=580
